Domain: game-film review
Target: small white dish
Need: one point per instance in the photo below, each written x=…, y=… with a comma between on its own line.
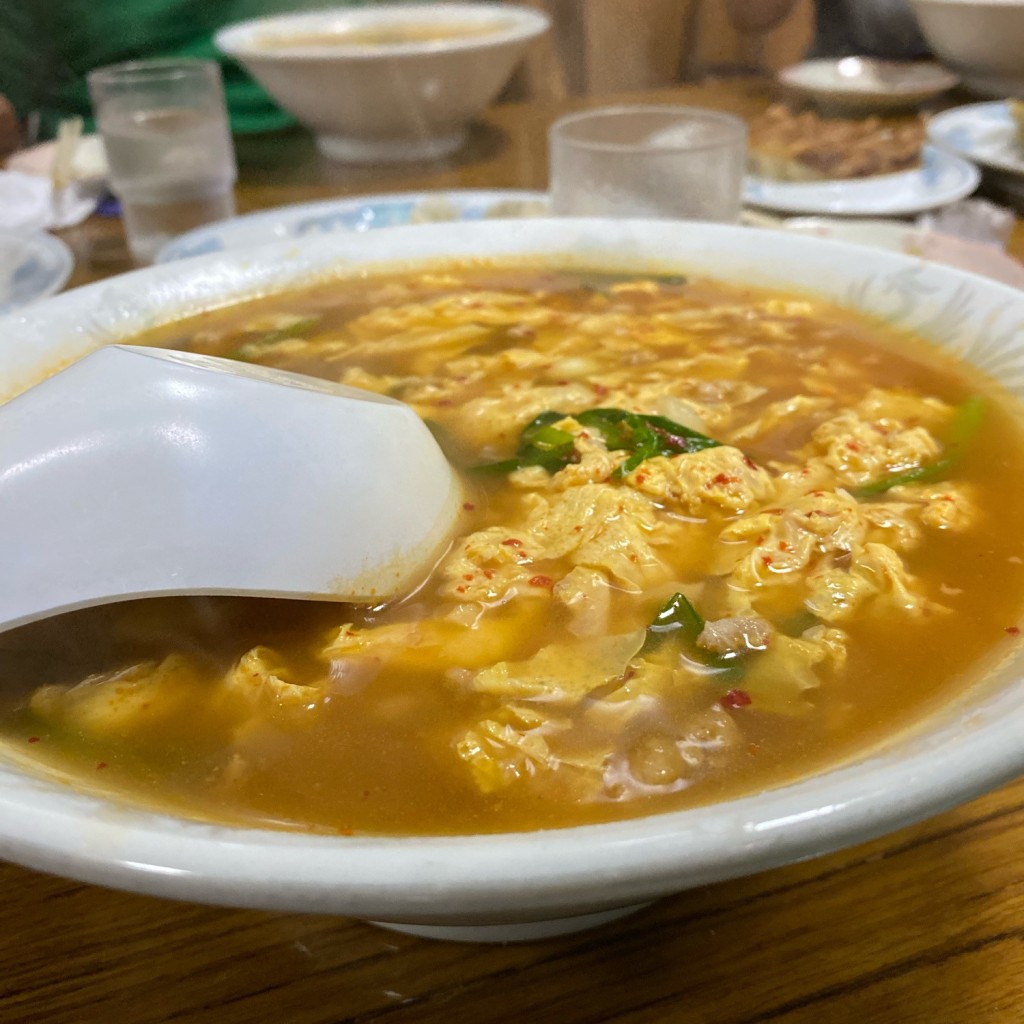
x=88, y=165
x=897, y=236
x=361, y=213
x=32, y=266
x=866, y=83
x=984, y=133
x=881, y=233
x=26, y=203
x=942, y=178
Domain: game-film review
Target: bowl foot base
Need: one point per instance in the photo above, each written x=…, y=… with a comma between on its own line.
x=393, y=151
x=529, y=931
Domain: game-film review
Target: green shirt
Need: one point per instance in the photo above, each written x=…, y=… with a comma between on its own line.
x=48, y=46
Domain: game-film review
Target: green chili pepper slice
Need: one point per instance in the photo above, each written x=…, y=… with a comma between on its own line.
x=542, y=444
x=676, y=618
x=679, y=621
x=258, y=346
x=596, y=281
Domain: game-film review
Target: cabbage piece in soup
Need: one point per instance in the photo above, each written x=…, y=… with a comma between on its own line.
x=714, y=539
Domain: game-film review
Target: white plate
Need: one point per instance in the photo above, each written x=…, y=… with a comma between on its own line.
x=31, y=267
x=27, y=206
x=894, y=235
x=88, y=165
x=867, y=83
x=982, y=132
x=897, y=236
x=360, y=213
x=942, y=178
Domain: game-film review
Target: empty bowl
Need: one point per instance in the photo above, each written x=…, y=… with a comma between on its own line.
x=979, y=39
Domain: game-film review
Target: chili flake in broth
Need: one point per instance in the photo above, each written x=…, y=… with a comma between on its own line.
x=714, y=539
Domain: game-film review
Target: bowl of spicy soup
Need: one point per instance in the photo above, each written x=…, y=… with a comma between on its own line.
x=701, y=617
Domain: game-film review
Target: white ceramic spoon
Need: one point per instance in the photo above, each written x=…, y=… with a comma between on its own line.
x=139, y=471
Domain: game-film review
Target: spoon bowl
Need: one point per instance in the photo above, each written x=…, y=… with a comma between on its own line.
x=139, y=472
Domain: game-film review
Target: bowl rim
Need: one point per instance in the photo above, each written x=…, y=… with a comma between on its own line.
x=924, y=78
x=513, y=23
x=52, y=827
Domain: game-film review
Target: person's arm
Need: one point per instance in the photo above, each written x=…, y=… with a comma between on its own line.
x=752, y=20
x=755, y=17
x=10, y=130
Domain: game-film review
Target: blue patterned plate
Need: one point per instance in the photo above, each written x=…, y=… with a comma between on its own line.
x=982, y=132
x=358, y=213
x=31, y=267
x=941, y=179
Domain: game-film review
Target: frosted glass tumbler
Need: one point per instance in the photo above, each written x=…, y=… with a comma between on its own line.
x=648, y=161
x=165, y=129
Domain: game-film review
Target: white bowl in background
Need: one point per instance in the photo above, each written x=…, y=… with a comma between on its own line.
x=864, y=83
x=531, y=884
x=981, y=40
x=386, y=102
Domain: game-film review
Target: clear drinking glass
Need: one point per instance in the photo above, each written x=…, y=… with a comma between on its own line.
x=648, y=161
x=165, y=128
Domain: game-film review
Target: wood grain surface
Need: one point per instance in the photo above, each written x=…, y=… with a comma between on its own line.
x=925, y=926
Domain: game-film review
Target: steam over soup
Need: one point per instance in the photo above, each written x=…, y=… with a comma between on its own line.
x=713, y=539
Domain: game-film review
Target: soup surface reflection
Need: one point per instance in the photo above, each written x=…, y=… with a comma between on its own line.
x=714, y=539
x=381, y=35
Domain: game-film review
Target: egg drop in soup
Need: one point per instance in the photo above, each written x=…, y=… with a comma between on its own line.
x=713, y=539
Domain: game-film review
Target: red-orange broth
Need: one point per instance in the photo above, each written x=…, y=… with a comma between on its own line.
x=850, y=556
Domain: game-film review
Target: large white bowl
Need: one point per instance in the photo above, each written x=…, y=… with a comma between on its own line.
x=982, y=40
x=400, y=101
x=527, y=884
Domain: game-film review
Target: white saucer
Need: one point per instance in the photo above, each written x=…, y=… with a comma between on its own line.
x=31, y=266
x=88, y=165
x=26, y=204
x=881, y=233
x=982, y=132
x=361, y=213
x=868, y=84
x=942, y=178
x=914, y=240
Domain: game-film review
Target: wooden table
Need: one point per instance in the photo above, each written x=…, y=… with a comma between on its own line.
x=923, y=927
